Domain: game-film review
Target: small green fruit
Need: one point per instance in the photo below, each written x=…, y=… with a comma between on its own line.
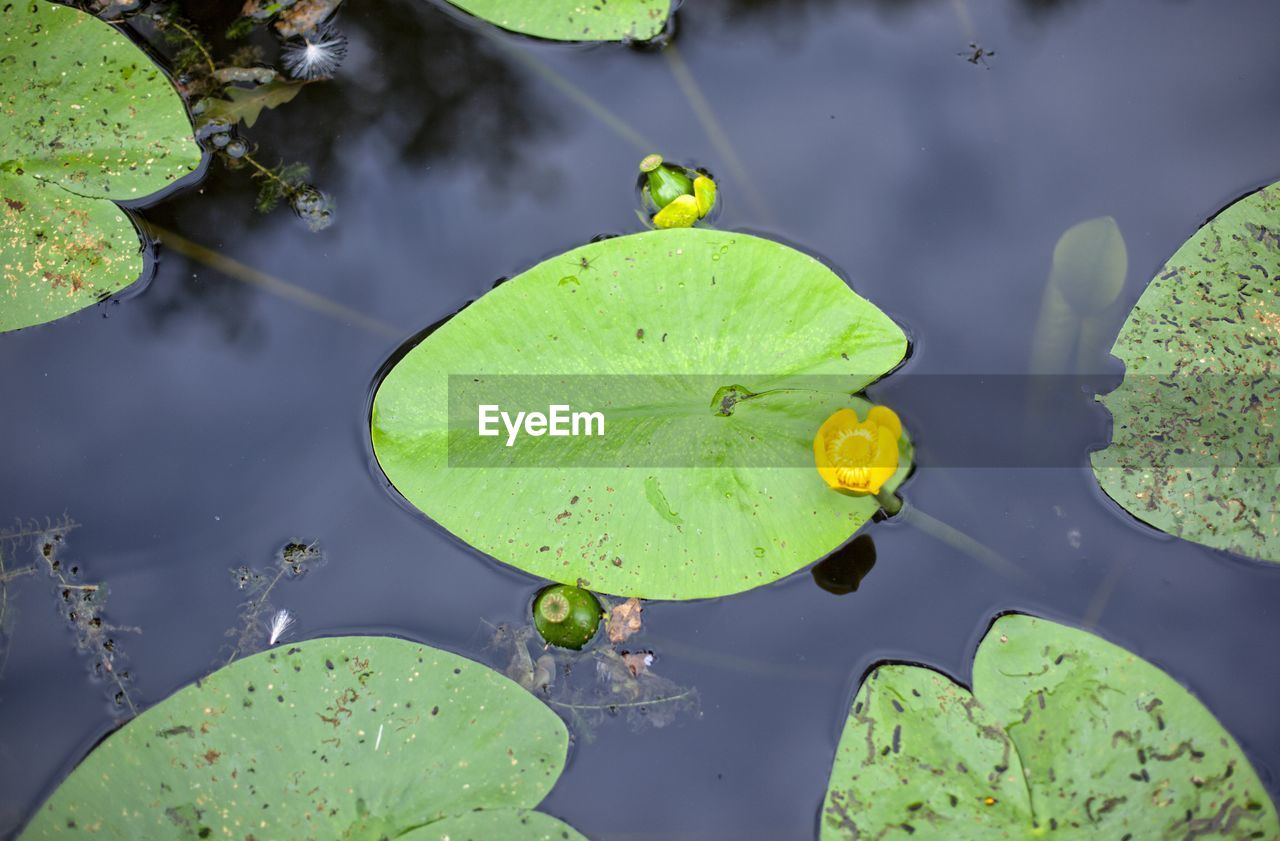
x=666, y=184
x=566, y=616
x=681, y=213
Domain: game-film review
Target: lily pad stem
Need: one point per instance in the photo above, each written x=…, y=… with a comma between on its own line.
x=962, y=542
x=889, y=501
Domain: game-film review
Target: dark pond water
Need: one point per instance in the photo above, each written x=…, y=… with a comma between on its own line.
x=202, y=424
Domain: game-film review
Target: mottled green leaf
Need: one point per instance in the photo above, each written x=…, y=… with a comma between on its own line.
x=346, y=737
x=682, y=497
x=86, y=118
x=59, y=252
x=574, y=20
x=1064, y=735
x=1195, y=448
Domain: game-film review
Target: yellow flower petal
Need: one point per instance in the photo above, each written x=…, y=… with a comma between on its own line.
x=858, y=457
x=681, y=213
x=884, y=416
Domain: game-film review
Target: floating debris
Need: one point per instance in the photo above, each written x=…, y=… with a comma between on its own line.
x=280, y=624
x=624, y=620
x=294, y=560
x=315, y=55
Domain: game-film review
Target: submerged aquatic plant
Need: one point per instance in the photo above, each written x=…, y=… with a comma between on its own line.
x=314, y=55
x=591, y=686
x=82, y=603
x=223, y=94
x=293, y=560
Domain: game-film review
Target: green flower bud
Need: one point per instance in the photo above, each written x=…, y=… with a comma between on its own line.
x=680, y=213
x=566, y=616
x=667, y=183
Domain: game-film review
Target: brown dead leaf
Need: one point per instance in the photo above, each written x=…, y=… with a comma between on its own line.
x=304, y=16
x=624, y=620
x=263, y=9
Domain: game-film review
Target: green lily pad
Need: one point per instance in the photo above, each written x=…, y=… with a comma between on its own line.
x=345, y=737
x=1195, y=449
x=1064, y=735
x=573, y=20
x=714, y=357
x=86, y=119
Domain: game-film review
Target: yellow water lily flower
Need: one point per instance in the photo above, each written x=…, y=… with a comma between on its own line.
x=858, y=457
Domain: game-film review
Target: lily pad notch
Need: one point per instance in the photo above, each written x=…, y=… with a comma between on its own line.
x=679, y=499
x=1063, y=735
x=574, y=20
x=341, y=737
x=86, y=120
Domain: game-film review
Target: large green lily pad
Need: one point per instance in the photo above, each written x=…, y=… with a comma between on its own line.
x=1064, y=735
x=574, y=20
x=86, y=119
x=346, y=737
x=1195, y=449
x=697, y=488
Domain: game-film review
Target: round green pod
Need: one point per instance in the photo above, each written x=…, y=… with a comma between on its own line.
x=666, y=184
x=566, y=616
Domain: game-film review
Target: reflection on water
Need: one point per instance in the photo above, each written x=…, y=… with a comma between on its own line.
x=209, y=421
x=843, y=570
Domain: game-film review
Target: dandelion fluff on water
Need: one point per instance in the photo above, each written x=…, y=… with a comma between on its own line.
x=316, y=55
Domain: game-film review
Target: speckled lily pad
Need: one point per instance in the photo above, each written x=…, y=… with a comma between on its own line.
x=1064, y=735
x=574, y=20
x=715, y=357
x=346, y=737
x=1195, y=449
x=86, y=119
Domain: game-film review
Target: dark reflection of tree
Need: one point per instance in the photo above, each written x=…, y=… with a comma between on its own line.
x=420, y=81
x=417, y=84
